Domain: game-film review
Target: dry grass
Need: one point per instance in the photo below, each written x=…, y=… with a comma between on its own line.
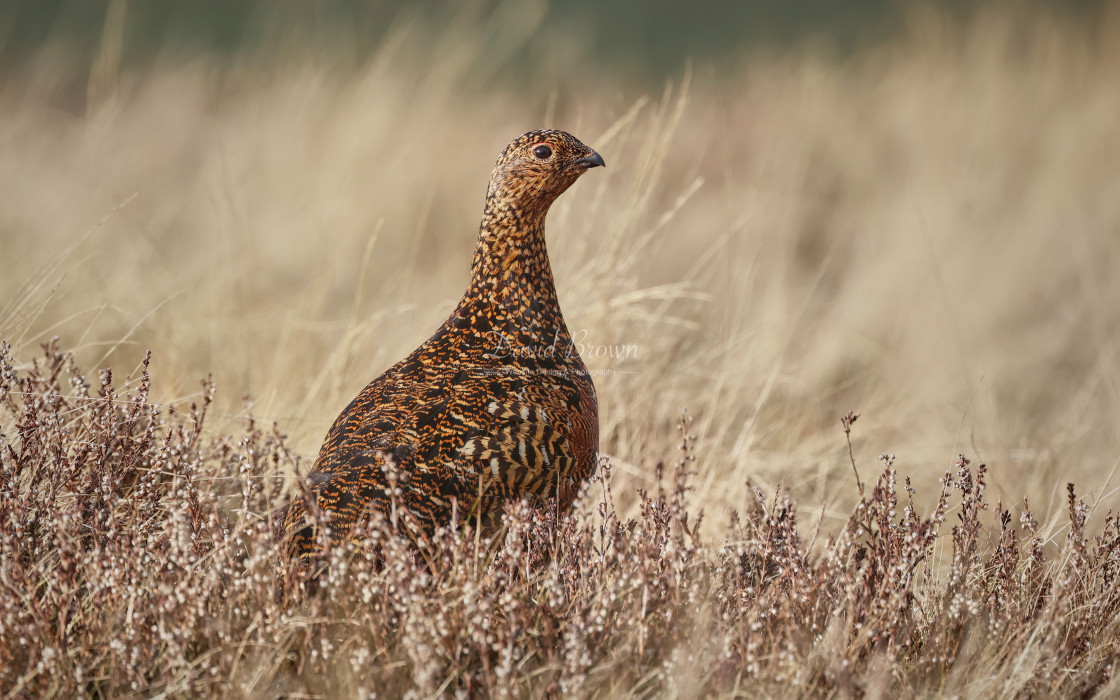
x=926, y=232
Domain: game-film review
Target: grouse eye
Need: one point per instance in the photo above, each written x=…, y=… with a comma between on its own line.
x=543, y=152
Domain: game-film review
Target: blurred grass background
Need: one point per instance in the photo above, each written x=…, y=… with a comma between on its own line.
x=648, y=38
x=911, y=211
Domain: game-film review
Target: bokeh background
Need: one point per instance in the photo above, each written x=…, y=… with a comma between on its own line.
x=911, y=211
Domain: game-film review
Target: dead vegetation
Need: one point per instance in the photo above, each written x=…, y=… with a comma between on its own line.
x=136, y=558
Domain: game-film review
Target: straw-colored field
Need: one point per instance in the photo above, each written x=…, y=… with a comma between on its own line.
x=927, y=233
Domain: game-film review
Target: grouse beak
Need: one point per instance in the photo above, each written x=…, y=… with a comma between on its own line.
x=592, y=161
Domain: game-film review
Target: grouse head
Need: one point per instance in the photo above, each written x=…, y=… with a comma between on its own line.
x=536, y=169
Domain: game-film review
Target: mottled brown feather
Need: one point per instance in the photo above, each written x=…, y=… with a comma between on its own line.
x=497, y=404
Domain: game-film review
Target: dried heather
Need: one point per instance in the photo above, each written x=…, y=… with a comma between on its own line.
x=137, y=557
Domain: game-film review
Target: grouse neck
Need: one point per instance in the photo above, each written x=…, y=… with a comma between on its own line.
x=512, y=289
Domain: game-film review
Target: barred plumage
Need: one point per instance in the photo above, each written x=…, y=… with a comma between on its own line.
x=497, y=404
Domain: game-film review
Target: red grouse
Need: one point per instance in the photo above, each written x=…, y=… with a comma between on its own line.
x=497, y=404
